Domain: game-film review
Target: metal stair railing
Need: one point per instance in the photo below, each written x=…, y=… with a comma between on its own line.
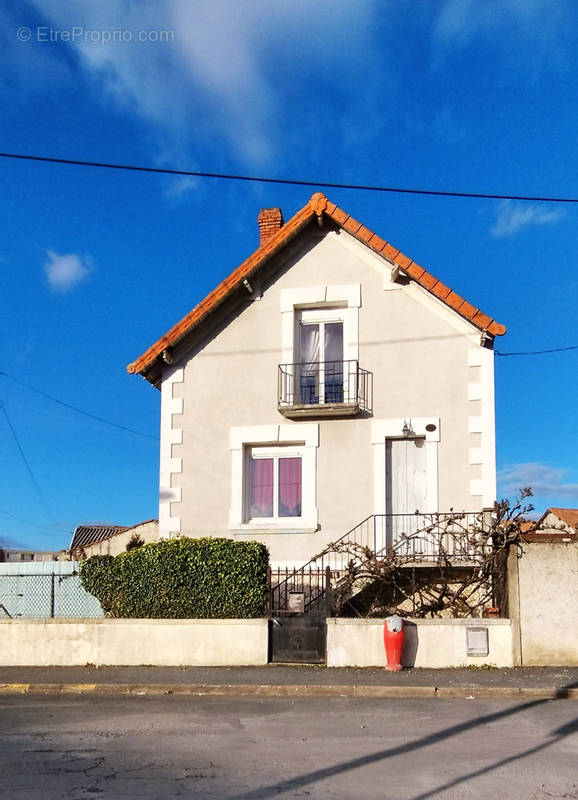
x=411, y=538
x=362, y=533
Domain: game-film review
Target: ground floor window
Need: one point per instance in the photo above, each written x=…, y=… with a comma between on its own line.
x=274, y=478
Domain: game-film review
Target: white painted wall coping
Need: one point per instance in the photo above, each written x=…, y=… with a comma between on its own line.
x=430, y=643
x=467, y=621
x=132, y=642
x=138, y=622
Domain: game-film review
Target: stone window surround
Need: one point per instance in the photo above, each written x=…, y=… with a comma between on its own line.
x=306, y=436
x=347, y=297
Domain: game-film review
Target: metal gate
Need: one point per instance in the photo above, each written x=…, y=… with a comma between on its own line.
x=299, y=640
x=299, y=602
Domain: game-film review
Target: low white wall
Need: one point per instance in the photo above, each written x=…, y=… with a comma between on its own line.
x=543, y=598
x=434, y=643
x=131, y=642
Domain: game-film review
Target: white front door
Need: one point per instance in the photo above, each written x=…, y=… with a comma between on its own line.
x=405, y=486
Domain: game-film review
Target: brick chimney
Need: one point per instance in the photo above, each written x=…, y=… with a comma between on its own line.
x=270, y=221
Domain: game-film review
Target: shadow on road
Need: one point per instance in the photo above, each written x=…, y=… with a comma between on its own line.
x=273, y=790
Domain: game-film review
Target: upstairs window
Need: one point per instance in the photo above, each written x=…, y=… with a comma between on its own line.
x=320, y=356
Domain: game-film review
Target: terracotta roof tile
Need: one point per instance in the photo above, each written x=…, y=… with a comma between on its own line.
x=377, y=243
x=352, y=225
x=441, y=290
x=318, y=202
x=567, y=515
x=318, y=205
x=496, y=328
x=481, y=320
x=415, y=271
x=467, y=310
x=454, y=300
x=402, y=261
x=340, y=216
x=428, y=281
x=389, y=252
x=365, y=234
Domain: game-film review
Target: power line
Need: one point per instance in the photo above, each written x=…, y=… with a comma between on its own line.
x=538, y=352
x=288, y=181
x=34, y=524
x=79, y=410
x=27, y=464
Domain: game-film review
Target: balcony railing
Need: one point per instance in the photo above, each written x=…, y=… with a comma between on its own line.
x=324, y=388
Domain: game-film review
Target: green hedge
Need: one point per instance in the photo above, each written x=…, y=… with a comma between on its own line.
x=181, y=579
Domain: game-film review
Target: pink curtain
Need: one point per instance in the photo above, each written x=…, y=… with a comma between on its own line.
x=261, y=487
x=289, y=487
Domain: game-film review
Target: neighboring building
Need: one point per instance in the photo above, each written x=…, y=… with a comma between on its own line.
x=19, y=556
x=559, y=521
x=110, y=540
x=328, y=379
x=543, y=591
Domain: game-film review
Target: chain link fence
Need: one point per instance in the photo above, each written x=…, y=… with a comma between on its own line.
x=57, y=594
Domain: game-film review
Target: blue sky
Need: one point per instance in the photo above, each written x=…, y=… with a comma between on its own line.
x=95, y=265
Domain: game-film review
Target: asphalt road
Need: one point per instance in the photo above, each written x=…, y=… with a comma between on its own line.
x=55, y=747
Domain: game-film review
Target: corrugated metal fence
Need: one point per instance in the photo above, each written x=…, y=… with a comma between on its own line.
x=45, y=589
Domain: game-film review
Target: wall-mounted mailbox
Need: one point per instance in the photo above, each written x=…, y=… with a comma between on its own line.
x=296, y=602
x=477, y=641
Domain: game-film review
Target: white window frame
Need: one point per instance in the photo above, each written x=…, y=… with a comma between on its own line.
x=339, y=302
x=320, y=317
x=276, y=453
x=284, y=439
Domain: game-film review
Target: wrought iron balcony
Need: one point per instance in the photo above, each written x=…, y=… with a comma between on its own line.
x=324, y=388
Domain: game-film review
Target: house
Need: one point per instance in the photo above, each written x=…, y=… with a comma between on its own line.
x=26, y=556
x=560, y=521
x=328, y=380
x=110, y=540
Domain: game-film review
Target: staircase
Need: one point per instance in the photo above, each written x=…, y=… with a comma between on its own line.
x=413, y=539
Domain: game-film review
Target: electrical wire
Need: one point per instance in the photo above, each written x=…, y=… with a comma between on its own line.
x=538, y=352
x=79, y=410
x=33, y=524
x=288, y=181
x=27, y=464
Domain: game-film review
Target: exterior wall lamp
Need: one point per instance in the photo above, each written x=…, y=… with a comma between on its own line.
x=407, y=430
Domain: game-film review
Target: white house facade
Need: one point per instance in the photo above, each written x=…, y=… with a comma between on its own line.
x=328, y=379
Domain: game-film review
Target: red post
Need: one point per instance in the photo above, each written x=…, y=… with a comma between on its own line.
x=393, y=639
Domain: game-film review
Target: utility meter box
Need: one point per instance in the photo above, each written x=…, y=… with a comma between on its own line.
x=477, y=641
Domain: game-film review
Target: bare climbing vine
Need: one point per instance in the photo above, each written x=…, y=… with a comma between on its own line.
x=453, y=566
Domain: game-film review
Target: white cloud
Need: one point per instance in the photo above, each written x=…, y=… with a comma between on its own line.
x=230, y=69
x=529, y=37
x=544, y=480
x=65, y=271
x=459, y=21
x=511, y=217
